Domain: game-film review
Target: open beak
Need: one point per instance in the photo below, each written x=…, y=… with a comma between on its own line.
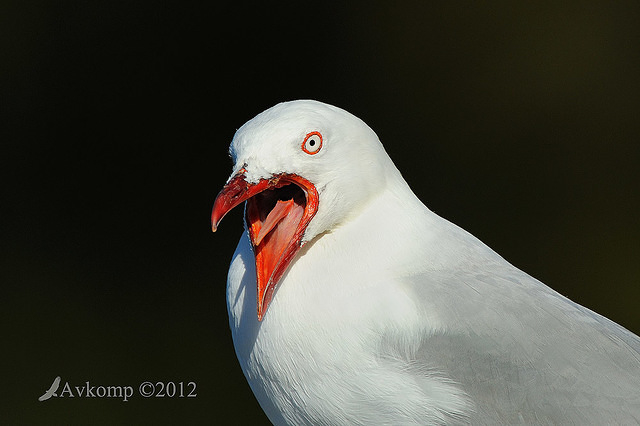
x=277, y=214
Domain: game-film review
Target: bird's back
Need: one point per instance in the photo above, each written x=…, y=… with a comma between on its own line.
x=521, y=351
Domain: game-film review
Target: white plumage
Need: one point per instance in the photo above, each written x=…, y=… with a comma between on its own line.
x=389, y=314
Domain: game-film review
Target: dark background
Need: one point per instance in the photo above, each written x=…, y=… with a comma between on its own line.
x=517, y=121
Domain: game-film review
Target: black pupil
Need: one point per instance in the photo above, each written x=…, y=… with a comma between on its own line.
x=312, y=142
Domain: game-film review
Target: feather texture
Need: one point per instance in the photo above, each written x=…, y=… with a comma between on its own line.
x=391, y=315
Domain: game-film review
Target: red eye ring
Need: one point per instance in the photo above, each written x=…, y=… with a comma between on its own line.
x=312, y=143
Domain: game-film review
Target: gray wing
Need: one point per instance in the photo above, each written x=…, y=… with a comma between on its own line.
x=524, y=353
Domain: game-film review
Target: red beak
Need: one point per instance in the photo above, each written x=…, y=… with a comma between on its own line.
x=277, y=214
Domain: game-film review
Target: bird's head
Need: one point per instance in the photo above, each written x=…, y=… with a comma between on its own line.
x=303, y=168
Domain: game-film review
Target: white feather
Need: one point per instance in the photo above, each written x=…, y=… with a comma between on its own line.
x=392, y=315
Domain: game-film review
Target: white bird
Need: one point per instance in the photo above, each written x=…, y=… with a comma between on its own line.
x=371, y=309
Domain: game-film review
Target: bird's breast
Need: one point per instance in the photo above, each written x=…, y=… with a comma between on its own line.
x=327, y=333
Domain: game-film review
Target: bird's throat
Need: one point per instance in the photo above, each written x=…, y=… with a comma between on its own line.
x=278, y=211
x=276, y=219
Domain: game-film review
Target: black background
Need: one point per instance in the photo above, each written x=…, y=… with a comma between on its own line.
x=518, y=121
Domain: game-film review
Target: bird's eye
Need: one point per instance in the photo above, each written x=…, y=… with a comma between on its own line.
x=312, y=143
